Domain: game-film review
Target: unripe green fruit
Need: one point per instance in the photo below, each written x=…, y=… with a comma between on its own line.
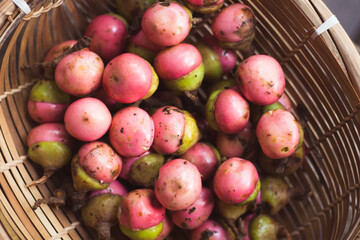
x=131, y=9
x=262, y=227
x=191, y=133
x=210, y=109
x=211, y=61
x=50, y=155
x=47, y=91
x=275, y=192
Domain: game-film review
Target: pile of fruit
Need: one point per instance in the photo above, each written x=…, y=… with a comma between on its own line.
x=163, y=136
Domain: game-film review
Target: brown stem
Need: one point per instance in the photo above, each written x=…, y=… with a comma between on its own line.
x=282, y=233
x=299, y=195
x=196, y=20
x=47, y=174
x=57, y=200
x=232, y=225
x=282, y=166
x=194, y=98
x=103, y=230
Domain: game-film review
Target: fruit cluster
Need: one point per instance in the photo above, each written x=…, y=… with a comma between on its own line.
x=162, y=133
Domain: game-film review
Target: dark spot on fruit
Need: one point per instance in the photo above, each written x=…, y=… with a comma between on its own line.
x=110, y=63
x=185, y=162
x=188, y=219
x=166, y=110
x=91, y=214
x=270, y=84
x=285, y=149
x=122, y=130
x=166, y=140
x=115, y=78
x=268, y=135
x=195, y=75
x=134, y=114
x=184, y=225
x=222, y=33
x=206, y=235
x=180, y=143
x=191, y=210
x=268, y=93
x=243, y=24
x=297, y=160
x=242, y=141
x=165, y=4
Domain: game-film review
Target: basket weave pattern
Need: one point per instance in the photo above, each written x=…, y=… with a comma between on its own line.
x=322, y=72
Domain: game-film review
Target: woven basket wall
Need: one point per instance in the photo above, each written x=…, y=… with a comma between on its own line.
x=323, y=74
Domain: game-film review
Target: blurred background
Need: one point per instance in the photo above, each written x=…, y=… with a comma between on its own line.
x=348, y=13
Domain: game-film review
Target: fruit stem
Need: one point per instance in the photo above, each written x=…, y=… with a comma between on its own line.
x=280, y=168
x=282, y=233
x=195, y=100
x=47, y=174
x=103, y=230
x=57, y=200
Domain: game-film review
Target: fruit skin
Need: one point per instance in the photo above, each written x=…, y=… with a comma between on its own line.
x=139, y=209
x=197, y=213
x=70, y=72
x=180, y=67
x=115, y=187
x=166, y=24
x=143, y=234
x=100, y=213
x=58, y=50
x=132, y=9
x=286, y=102
x=235, y=145
x=230, y=211
x=100, y=161
x=108, y=35
x=235, y=181
x=234, y=26
x=262, y=227
x=191, y=134
x=50, y=132
x=87, y=119
x=127, y=78
x=211, y=61
x=205, y=157
x=178, y=184
x=204, y=6
x=261, y=79
x=278, y=133
x=210, y=230
x=131, y=132
x=47, y=102
x=227, y=111
x=168, y=226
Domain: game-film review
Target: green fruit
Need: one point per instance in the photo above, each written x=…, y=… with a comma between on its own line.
x=275, y=192
x=47, y=91
x=131, y=9
x=230, y=211
x=253, y=195
x=100, y=213
x=262, y=227
x=83, y=182
x=211, y=61
x=146, y=54
x=223, y=84
x=50, y=155
x=154, y=83
x=143, y=234
x=145, y=170
x=189, y=82
x=191, y=134
x=210, y=109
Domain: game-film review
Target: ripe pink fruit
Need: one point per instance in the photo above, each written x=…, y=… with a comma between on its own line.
x=127, y=78
x=278, y=133
x=261, y=79
x=166, y=24
x=131, y=132
x=212, y=230
x=115, y=187
x=70, y=72
x=87, y=119
x=100, y=161
x=140, y=209
x=107, y=34
x=178, y=185
x=235, y=180
x=197, y=213
x=49, y=132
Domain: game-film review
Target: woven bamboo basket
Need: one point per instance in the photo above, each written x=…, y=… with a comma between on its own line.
x=322, y=68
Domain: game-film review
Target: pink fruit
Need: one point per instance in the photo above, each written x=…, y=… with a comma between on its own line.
x=210, y=230
x=87, y=119
x=234, y=145
x=178, y=185
x=168, y=226
x=58, y=50
x=100, y=161
x=131, y=132
x=205, y=157
x=235, y=180
x=108, y=35
x=278, y=133
x=166, y=23
x=197, y=213
x=50, y=132
x=102, y=96
x=169, y=128
x=127, y=78
x=234, y=26
x=43, y=112
x=70, y=72
x=115, y=187
x=140, y=209
x=261, y=79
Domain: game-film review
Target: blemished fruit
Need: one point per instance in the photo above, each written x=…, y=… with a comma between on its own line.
x=204, y=6
x=211, y=230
